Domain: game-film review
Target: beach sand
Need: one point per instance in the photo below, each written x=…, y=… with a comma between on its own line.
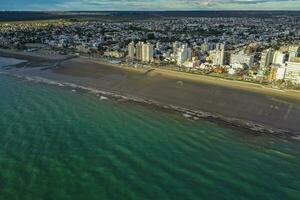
x=240, y=85
x=238, y=100
x=32, y=56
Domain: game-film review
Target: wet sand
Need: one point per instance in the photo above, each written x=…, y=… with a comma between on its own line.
x=235, y=100
x=31, y=56
x=243, y=101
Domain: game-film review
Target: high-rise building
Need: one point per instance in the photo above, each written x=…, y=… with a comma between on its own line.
x=139, y=51
x=293, y=52
x=242, y=58
x=183, y=54
x=266, y=58
x=206, y=46
x=157, y=46
x=217, y=55
x=222, y=54
x=279, y=58
x=176, y=45
x=147, y=52
x=292, y=72
x=131, y=50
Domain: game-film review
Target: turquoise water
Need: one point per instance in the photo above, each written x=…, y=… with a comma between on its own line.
x=59, y=144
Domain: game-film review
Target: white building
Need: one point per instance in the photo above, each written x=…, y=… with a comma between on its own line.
x=83, y=48
x=157, y=46
x=289, y=72
x=194, y=63
x=280, y=74
x=114, y=54
x=183, y=54
x=242, y=58
x=131, y=50
x=279, y=58
x=293, y=52
x=176, y=45
x=139, y=51
x=147, y=52
x=217, y=55
x=266, y=58
x=292, y=72
x=206, y=46
x=235, y=67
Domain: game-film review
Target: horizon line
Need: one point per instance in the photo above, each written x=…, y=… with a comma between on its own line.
x=180, y=10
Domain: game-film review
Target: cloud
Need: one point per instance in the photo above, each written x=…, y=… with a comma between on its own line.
x=178, y=4
x=149, y=4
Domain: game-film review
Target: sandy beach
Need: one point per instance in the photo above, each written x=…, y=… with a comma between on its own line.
x=31, y=56
x=232, y=100
x=240, y=85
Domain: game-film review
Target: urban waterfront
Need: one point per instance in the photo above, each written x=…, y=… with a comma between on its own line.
x=61, y=144
x=256, y=46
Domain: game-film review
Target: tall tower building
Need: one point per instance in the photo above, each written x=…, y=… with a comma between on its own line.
x=157, y=46
x=176, y=45
x=293, y=52
x=131, y=50
x=183, y=54
x=266, y=58
x=139, y=51
x=222, y=53
x=147, y=52
x=218, y=55
x=204, y=47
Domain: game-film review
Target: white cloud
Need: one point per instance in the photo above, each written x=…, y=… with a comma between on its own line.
x=154, y=4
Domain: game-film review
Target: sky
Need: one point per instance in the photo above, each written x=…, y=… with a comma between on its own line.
x=146, y=5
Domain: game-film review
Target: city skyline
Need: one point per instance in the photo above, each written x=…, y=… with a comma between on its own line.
x=154, y=5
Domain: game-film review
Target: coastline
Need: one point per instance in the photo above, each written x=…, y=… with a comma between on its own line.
x=31, y=56
x=198, y=78
x=241, y=85
x=262, y=110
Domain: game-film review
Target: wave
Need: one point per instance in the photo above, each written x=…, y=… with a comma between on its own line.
x=190, y=114
x=5, y=62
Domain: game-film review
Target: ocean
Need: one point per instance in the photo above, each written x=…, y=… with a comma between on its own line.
x=59, y=143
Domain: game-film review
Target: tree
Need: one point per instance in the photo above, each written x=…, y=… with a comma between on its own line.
x=151, y=36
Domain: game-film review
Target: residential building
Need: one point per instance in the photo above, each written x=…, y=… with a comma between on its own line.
x=217, y=55
x=293, y=53
x=131, y=50
x=175, y=47
x=279, y=58
x=114, y=54
x=266, y=58
x=292, y=72
x=139, y=51
x=242, y=58
x=183, y=54
x=147, y=52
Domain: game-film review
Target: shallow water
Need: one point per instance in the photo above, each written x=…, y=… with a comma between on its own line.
x=9, y=61
x=56, y=143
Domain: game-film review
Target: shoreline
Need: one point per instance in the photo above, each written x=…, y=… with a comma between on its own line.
x=236, y=124
x=271, y=113
x=31, y=56
x=240, y=85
